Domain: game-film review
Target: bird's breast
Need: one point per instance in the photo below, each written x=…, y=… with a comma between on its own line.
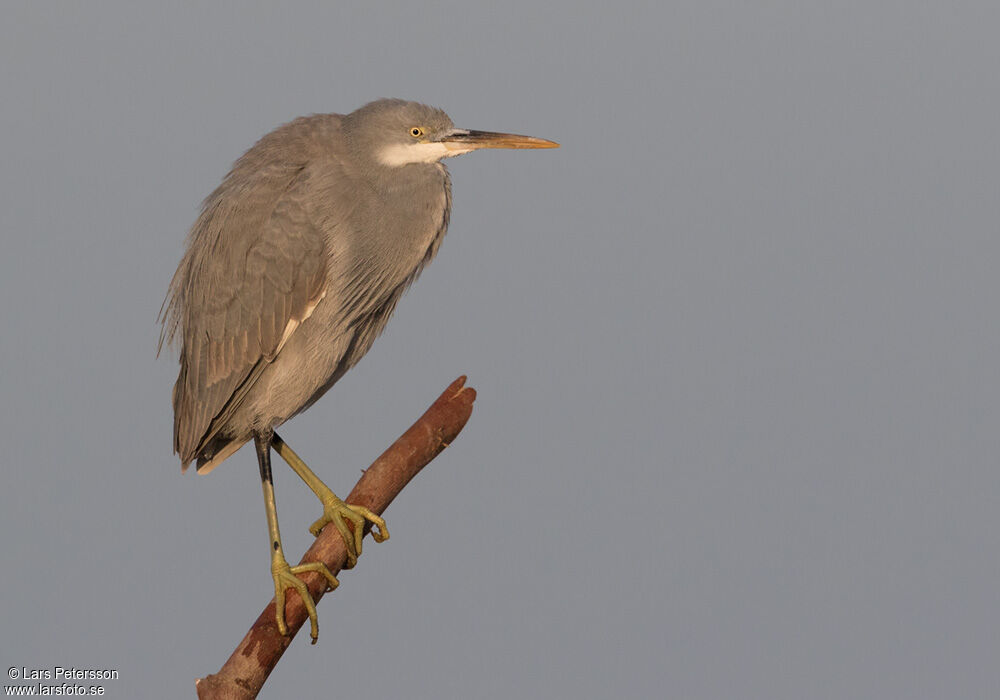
x=380, y=238
x=406, y=227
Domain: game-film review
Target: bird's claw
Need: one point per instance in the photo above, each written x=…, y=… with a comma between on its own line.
x=286, y=577
x=337, y=512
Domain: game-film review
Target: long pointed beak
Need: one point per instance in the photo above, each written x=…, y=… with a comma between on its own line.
x=463, y=141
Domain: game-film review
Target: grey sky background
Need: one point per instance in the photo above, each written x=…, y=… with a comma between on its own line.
x=736, y=347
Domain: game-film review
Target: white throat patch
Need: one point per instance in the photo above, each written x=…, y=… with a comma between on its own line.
x=399, y=155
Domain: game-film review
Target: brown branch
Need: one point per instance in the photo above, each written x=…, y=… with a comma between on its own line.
x=242, y=676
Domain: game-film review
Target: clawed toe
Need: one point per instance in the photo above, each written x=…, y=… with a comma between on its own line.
x=338, y=513
x=285, y=578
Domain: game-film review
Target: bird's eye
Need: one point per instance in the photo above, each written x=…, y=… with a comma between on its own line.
x=416, y=132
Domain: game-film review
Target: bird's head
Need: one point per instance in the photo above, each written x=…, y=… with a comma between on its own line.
x=397, y=133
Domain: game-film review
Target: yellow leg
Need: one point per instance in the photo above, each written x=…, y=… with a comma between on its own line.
x=334, y=510
x=284, y=575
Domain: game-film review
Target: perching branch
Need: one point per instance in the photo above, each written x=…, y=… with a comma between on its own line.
x=243, y=675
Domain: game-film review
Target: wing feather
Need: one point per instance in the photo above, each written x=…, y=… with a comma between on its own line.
x=254, y=269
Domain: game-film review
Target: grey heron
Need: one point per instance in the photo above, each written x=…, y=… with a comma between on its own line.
x=291, y=271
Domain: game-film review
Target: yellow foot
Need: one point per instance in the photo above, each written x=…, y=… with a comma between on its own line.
x=337, y=512
x=284, y=578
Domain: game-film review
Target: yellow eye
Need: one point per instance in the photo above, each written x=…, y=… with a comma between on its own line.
x=416, y=132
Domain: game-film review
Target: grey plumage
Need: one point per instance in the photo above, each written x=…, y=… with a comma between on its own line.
x=284, y=238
